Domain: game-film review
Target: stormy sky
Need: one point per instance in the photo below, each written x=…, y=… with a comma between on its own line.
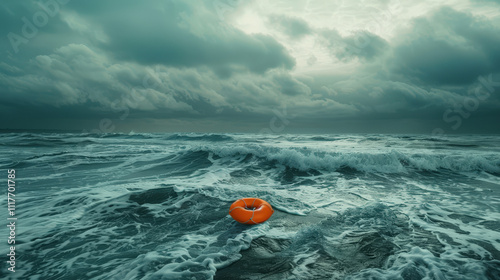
x=291, y=66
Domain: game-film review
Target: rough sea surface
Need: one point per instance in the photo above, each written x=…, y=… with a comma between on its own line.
x=155, y=206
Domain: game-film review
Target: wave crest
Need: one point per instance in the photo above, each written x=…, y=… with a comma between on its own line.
x=390, y=162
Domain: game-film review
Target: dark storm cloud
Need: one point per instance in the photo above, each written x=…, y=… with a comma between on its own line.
x=102, y=72
x=160, y=32
x=177, y=60
x=180, y=34
x=432, y=66
x=294, y=27
x=448, y=47
x=362, y=44
x=30, y=28
x=290, y=86
x=77, y=75
x=434, y=63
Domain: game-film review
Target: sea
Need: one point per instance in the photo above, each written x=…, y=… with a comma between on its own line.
x=155, y=206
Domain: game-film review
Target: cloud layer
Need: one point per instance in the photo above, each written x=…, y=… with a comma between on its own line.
x=177, y=65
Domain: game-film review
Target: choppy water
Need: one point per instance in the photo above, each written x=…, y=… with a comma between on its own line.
x=155, y=206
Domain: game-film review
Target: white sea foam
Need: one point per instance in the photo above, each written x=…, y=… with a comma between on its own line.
x=137, y=206
x=380, y=160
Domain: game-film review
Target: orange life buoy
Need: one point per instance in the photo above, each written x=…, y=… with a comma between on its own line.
x=251, y=210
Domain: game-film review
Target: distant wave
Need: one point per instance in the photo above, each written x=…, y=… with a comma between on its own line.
x=390, y=162
x=58, y=139
x=200, y=137
x=462, y=158
x=326, y=138
x=28, y=140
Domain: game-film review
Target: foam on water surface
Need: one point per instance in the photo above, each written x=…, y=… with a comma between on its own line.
x=155, y=206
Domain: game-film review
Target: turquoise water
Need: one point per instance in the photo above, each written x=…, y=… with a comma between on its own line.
x=155, y=206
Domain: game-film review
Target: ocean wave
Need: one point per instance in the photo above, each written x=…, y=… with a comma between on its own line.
x=155, y=206
x=44, y=140
x=333, y=248
x=326, y=138
x=390, y=162
x=200, y=137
